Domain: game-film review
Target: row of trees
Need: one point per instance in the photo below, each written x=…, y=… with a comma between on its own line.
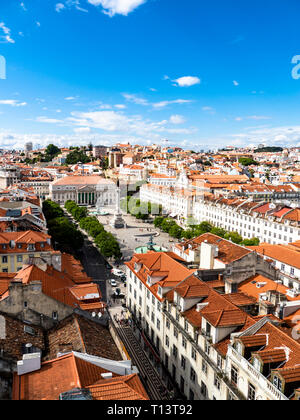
x=105, y=241
x=173, y=229
x=64, y=234
x=140, y=209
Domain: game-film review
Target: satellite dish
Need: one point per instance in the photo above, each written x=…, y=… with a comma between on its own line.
x=93, y=314
x=99, y=314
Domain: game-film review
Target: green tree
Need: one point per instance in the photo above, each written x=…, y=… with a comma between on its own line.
x=52, y=151
x=176, y=231
x=250, y=242
x=234, y=237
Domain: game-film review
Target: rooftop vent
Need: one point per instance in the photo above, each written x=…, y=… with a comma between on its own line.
x=260, y=285
x=107, y=375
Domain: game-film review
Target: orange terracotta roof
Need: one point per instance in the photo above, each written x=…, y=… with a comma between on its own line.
x=128, y=388
x=55, y=377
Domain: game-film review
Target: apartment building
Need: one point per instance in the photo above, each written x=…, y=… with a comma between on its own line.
x=266, y=221
x=192, y=320
x=17, y=248
x=286, y=259
x=176, y=201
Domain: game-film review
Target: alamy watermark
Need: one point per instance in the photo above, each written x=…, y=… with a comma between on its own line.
x=296, y=69
x=2, y=67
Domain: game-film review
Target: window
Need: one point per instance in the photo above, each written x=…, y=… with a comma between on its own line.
x=204, y=367
x=183, y=362
x=186, y=325
x=193, y=375
x=277, y=383
x=203, y=389
x=55, y=315
x=184, y=343
x=207, y=348
x=175, y=351
x=158, y=324
x=175, y=332
x=168, y=324
x=181, y=384
x=251, y=392
x=20, y=258
x=217, y=382
x=234, y=375
x=4, y=259
x=167, y=341
x=194, y=354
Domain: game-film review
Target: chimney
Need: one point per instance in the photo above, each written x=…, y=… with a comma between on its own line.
x=208, y=253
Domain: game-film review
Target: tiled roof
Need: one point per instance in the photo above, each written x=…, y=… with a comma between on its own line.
x=127, y=388
x=227, y=253
x=55, y=377
x=76, y=333
x=283, y=253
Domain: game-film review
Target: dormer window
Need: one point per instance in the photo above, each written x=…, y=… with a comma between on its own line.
x=277, y=383
x=257, y=364
x=239, y=347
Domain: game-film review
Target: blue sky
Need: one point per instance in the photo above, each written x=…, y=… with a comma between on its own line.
x=200, y=74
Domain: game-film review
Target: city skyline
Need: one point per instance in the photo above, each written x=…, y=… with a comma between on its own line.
x=202, y=76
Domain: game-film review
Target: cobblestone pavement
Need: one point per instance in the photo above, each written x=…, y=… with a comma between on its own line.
x=136, y=234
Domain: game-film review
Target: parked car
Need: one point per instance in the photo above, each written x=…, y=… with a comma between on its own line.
x=113, y=283
x=117, y=272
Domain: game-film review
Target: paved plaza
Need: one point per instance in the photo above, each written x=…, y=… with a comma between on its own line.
x=136, y=234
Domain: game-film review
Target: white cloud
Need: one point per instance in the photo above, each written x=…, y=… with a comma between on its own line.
x=120, y=106
x=82, y=130
x=12, y=102
x=23, y=6
x=235, y=83
x=177, y=119
x=121, y=7
x=68, y=4
x=59, y=7
x=135, y=99
x=49, y=120
x=163, y=104
x=5, y=38
x=187, y=81
x=70, y=98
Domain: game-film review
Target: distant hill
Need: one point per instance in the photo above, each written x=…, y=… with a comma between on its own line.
x=269, y=150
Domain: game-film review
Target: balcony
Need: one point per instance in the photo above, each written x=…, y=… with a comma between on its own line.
x=256, y=377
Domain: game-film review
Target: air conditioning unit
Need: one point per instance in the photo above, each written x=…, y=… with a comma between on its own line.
x=293, y=293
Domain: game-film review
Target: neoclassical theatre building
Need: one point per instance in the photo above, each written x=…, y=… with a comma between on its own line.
x=84, y=190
